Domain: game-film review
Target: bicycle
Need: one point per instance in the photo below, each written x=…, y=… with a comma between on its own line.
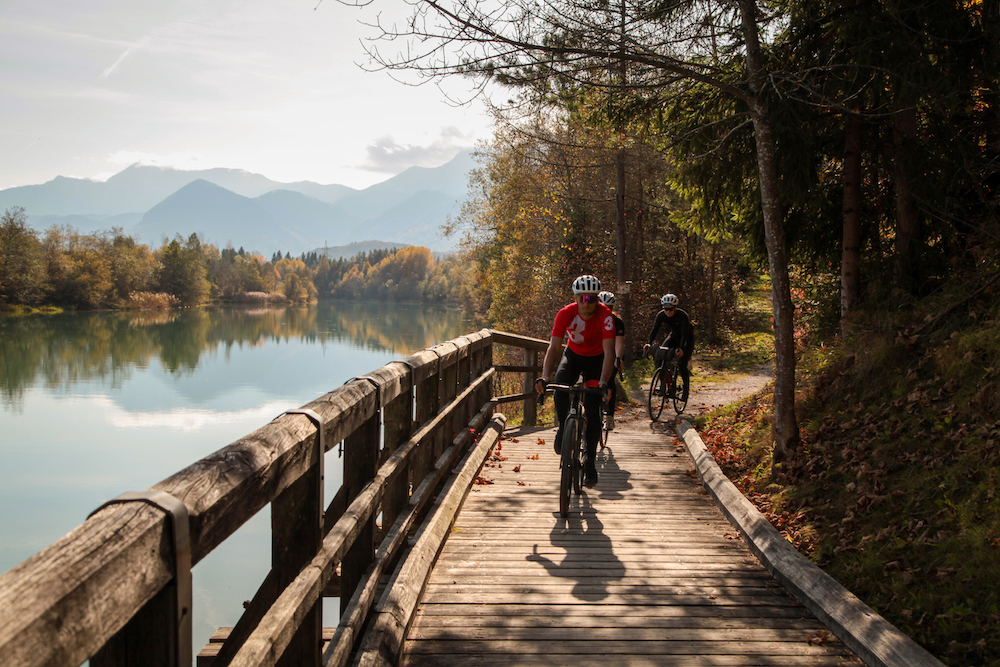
x=573, y=448
x=668, y=376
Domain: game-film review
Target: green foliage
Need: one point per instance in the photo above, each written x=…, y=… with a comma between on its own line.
x=183, y=270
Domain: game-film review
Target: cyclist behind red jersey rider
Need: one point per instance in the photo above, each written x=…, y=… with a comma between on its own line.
x=680, y=336
x=608, y=299
x=588, y=328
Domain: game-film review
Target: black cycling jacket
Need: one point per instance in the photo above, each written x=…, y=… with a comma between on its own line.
x=680, y=334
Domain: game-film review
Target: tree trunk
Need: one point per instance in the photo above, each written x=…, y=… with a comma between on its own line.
x=850, y=259
x=906, y=268
x=712, y=299
x=620, y=205
x=786, y=427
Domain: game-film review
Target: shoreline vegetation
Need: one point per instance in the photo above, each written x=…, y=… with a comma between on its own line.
x=109, y=270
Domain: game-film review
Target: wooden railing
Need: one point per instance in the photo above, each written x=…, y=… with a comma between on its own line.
x=117, y=589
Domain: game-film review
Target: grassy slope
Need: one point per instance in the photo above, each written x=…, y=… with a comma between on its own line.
x=894, y=493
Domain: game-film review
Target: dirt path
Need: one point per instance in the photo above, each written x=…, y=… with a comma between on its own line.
x=706, y=395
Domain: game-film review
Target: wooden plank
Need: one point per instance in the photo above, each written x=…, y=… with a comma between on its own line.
x=676, y=642
x=597, y=660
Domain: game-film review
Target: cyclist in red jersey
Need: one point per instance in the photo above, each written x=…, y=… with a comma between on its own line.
x=588, y=328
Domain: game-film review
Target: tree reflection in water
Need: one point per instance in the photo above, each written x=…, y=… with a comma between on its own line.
x=57, y=351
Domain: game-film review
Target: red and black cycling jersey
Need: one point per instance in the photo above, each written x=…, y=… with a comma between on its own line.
x=584, y=337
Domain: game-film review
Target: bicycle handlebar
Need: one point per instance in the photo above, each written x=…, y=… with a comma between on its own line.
x=574, y=389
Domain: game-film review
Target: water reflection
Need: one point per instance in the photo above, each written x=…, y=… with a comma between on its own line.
x=60, y=351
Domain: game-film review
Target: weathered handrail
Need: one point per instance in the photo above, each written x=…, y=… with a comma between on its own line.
x=106, y=590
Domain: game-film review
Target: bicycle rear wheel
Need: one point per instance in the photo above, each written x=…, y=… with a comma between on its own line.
x=679, y=389
x=566, y=464
x=605, y=431
x=656, y=401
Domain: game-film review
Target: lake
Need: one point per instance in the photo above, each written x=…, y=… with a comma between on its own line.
x=96, y=404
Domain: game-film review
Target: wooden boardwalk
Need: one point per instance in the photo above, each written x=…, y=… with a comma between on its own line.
x=646, y=571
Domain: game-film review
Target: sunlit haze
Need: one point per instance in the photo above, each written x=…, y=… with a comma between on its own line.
x=271, y=87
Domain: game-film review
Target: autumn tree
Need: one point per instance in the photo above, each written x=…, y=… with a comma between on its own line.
x=21, y=269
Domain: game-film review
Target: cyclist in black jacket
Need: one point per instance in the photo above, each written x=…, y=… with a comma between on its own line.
x=680, y=335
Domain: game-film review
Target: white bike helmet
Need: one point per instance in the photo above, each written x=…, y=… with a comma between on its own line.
x=607, y=298
x=668, y=300
x=586, y=285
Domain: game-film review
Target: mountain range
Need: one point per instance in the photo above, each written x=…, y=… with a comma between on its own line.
x=231, y=206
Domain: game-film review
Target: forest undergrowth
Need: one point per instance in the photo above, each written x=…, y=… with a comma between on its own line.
x=894, y=491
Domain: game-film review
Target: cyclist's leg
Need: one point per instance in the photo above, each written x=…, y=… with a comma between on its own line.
x=661, y=358
x=591, y=367
x=566, y=373
x=682, y=365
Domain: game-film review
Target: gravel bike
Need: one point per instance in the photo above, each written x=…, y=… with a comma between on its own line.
x=573, y=448
x=667, y=384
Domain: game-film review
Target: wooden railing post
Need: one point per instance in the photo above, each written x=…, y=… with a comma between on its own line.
x=447, y=390
x=427, y=407
x=296, y=536
x=486, y=361
x=360, y=464
x=530, y=414
x=398, y=417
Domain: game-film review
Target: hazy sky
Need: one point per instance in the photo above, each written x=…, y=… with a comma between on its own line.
x=270, y=86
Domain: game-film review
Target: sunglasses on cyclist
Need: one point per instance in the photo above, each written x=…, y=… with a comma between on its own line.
x=587, y=298
x=670, y=309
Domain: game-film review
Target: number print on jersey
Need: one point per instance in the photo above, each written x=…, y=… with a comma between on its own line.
x=575, y=330
x=609, y=323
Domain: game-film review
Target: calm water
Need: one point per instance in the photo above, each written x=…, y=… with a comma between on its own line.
x=96, y=404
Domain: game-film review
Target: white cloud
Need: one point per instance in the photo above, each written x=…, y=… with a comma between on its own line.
x=386, y=155
x=132, y=47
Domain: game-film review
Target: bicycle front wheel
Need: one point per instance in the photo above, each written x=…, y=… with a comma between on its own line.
x=566, y=464
x=680, y=389
x=656, y=401
x=579, y=451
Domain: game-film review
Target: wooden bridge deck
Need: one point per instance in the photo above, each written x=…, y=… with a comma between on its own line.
x=647, y=571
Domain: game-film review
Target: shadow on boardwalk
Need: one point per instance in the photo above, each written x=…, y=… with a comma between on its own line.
x=646, y=571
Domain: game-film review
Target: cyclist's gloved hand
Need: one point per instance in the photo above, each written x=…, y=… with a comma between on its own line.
x=543, y=383
x=606, y=389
